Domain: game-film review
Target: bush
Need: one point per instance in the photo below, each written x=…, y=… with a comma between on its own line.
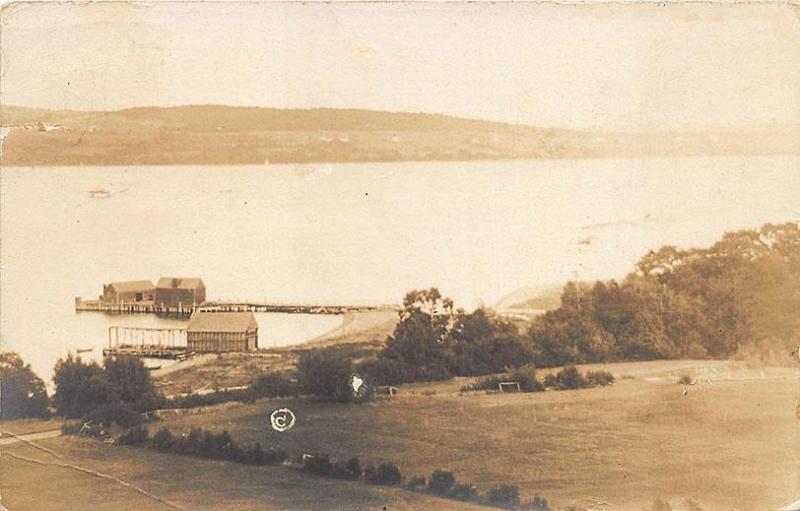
x=326, y=373
x=350, y=469
x=207, y=444
x=526, y=376
x=273, y=385
x=116, y=414
x=599, y=378
x=387, y=474
x=505, y=495
x=466, y=492
x=568, y=378
x=256, y=455
x=164, y=440
x=441, y=481
x=135, y=436
x=318, y=465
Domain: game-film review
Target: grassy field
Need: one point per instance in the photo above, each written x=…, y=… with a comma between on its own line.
x=35, y=483
x=728, y=442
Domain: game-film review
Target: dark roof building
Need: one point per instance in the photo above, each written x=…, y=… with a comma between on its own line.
x=179, y=291
x=222, y=331
x=128, y=291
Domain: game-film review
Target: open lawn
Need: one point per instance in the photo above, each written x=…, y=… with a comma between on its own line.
x=180, y=482
x=728, y=442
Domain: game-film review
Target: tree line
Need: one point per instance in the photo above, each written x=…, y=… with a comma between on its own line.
x=739, y=297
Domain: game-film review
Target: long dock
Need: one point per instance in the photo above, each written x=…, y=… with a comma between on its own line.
x=187, y=310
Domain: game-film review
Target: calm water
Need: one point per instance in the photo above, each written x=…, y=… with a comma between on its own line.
x=353, y=233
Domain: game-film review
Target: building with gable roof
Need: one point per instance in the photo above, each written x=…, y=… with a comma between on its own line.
x=222, y=331
x=179, y=291
x=128, y=291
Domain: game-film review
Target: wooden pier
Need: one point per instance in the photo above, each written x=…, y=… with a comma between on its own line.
x=166, y=343
x=185, y=311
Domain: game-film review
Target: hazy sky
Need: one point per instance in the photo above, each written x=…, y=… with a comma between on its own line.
x=613, y=66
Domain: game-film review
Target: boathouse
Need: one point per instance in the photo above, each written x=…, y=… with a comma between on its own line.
x=128, y=292
x=175, y=291
x=222, y=331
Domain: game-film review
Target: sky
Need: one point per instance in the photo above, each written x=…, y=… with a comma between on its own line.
x=609, y=66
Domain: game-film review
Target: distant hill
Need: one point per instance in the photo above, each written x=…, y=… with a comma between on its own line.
x=208, y=134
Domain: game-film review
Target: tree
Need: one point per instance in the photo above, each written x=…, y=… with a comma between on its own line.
x=22, y=393
x=80, y=387
x=112, y=394
x=419, y=339
x=131, y=382
x=326, y=373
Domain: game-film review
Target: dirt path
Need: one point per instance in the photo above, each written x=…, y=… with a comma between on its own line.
x=7, y=438
x=183, y=364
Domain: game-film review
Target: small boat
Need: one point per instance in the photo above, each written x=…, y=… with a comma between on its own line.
x=84, y=350
x=99, y=193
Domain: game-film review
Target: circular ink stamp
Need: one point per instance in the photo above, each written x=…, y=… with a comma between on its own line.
x=282, y=420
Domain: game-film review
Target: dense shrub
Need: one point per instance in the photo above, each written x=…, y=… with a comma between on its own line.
x=273, y=385
x=326, y=373
x=134, y=436
x=116, y=414
x=567, y=378
x=504, y=495
x=386, y=474
x=526, y=376
x=570, y=378
x=350, y=469
x=441, y=481
x=163, y=440
x=318, y=465
x=257, y=455
x=22, y=393
x=204, y=444
x=466, y=492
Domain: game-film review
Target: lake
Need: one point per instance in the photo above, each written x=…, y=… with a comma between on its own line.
x=361, y=233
